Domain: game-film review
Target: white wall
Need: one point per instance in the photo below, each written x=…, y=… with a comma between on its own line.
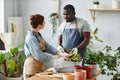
x=107, y=21
x=1, y=16
x=7, y=9
x=29, y=7
x=8, y=12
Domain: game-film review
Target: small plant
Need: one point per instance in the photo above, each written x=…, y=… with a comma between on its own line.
x=96, y=2
x=93, y=57
x=94, y=36
x=2, y=62
x=13, y=62
x=109, y=62
x=53, y=20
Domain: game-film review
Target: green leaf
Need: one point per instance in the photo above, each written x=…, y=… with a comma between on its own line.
x=2, y=57
x=10, y=64
x=96, y=31
x=14, y=51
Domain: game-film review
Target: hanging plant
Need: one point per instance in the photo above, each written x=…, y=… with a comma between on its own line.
x=53, y=21
x=94, y=36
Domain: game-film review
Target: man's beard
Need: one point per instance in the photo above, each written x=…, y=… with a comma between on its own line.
x=70, y=20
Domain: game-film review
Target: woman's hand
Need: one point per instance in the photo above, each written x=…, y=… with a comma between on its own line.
x=62, y=54
x=60, y=48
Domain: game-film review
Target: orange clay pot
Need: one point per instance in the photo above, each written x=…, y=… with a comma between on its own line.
x=80, y=75
x=88, y=71
x=77, y=68
x=68, y=76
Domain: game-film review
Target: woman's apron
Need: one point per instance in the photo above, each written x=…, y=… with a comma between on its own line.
x=32, y=66
x=72, y=38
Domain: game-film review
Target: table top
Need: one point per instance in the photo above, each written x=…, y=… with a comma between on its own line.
x=45, y=76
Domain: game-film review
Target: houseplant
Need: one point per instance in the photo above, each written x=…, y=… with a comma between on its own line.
x=91, y=55
x=109, y=62
x=104, y=58
x=14, y=60
x=94, y=36
x=96, y=3
x=53, y=21
x=93, y=58
x=2, y=74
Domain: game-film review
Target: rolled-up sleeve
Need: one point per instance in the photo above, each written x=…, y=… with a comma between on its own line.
x=86, y=27
x=50, y=49
x=35, y=50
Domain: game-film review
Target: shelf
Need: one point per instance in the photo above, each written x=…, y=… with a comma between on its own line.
x=92, y=11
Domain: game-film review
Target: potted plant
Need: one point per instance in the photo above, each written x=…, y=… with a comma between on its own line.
x=93, y=59
x=109, y=63
x=2, y=74
x=14, y=60
x=96, y=3
x=53, y=21
x=91, y=55
x=90, y=52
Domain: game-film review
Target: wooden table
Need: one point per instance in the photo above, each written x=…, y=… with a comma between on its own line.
x=52, y=77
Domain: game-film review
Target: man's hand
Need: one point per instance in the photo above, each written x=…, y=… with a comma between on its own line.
x=67, y=50
x=76, y=50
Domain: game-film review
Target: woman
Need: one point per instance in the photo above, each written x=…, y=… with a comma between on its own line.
x=37, y=49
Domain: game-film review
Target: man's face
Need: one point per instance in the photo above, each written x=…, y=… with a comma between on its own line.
x=68, y=15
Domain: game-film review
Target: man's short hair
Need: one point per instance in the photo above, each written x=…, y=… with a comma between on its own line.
x=69, y=6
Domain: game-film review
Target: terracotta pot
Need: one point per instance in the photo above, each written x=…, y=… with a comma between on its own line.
x=88, y=71
x=77, y=68
x=68, y=76
x=80, y=75
x=94, y=68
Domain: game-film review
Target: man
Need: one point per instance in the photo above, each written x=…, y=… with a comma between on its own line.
x=74, y=32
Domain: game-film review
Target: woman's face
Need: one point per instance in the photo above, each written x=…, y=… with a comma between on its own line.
x=42, y=26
